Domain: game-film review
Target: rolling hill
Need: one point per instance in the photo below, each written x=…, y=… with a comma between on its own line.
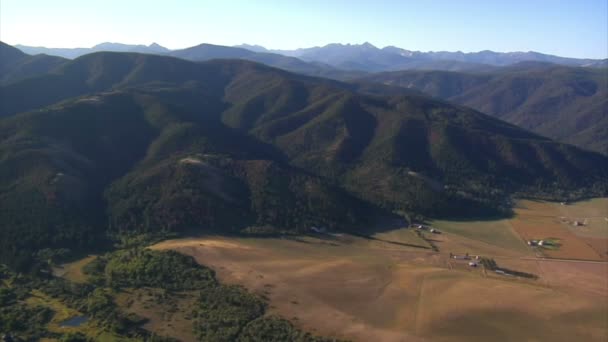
x=122, y=142
x=16, y=65
x=564, y=103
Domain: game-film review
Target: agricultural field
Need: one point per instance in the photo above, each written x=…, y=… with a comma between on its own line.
x=391, y=286
x=397, y=284
x=546, y=220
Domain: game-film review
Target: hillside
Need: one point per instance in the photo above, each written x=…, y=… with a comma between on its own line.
x=151, y=144
x=564, y=103
x=16, y=65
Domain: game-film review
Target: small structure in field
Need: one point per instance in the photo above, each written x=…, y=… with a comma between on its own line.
x=577, y=223
x=564, y=203
x=462, y=257
x=434, y=231
x=532, y=243
x=473, y=264
x=320, y=230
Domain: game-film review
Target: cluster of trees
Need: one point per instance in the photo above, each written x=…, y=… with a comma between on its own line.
x=493, y=266
x=221, y=313
x=139, y=267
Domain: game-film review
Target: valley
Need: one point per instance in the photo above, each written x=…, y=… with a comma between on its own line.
x=333, y=193
x=360, y=289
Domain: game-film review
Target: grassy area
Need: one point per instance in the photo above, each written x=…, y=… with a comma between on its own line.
x=535, y=220
x=405, y=236
x=593, y=212
x=73, y=271
x=62, y=312
x=498, y=233
x=358, y=291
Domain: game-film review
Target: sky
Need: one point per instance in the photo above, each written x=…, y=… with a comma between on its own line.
x=571, y=28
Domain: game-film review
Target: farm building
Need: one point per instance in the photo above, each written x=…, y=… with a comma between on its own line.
x=321, y=230
x=461, y=257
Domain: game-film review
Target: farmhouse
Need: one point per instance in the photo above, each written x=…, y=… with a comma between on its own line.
x=473, y=264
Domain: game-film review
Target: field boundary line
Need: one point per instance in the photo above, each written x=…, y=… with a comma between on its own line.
x=567, y=260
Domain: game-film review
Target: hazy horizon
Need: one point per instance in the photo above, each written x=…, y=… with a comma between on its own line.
x=579, y=29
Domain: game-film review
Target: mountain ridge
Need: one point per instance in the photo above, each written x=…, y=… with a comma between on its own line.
x=318, y=54
x=16, y=65
x=127, y=143
x=564, y=103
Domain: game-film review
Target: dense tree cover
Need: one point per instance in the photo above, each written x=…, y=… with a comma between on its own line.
x=491, y=265
x=16, y=65
x=145, y=268
x=28, y=322
x=275, y=329
x=222, y=312
x=561, y=102
x=157, y=145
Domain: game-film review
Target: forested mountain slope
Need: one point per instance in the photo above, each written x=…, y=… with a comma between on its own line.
x=564, y=103
x=115, y=142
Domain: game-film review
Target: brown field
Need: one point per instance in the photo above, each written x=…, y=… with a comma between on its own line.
x=392, y=286
x=362, y=290
x=541, y=220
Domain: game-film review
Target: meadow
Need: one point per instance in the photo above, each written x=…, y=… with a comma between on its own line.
x=388, y=287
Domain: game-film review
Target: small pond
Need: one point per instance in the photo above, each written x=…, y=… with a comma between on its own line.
x=74, y=321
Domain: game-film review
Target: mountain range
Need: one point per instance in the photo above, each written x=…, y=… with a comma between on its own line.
x=127, y=142
x=566, y=103
x=370, y=58
x=357, y=57
x=569, y=104
x=72, y=53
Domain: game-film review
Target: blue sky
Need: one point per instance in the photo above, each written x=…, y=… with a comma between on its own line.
x=573, y=28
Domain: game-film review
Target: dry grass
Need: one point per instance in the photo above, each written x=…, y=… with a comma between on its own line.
x=351, y=290
x=390, y=288
x=73, y=271
x=480, y=237
x=541, y=220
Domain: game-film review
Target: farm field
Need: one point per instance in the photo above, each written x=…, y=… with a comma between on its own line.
x=391, y=287
x=542, y=220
